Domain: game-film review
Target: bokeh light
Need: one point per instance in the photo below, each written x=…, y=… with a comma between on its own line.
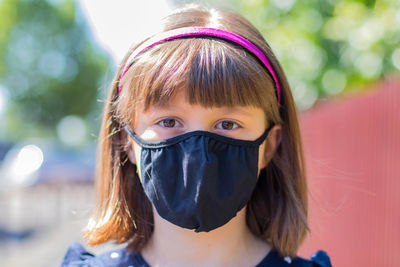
x=71, y=130
x=29, y=159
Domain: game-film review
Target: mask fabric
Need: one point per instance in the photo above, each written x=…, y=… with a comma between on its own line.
x=199, y=180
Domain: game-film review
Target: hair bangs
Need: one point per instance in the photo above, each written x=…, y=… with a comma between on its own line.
x=212, y=72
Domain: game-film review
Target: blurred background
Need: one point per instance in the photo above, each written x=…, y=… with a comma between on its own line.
x=342, y=58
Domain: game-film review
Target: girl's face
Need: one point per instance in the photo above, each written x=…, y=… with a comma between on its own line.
x=178, y=116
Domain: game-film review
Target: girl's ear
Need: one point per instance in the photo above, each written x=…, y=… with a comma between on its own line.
x=128, y=147
x=130, y=152
x=271, y=145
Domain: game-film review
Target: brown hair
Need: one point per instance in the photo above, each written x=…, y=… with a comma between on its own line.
x=213, y=73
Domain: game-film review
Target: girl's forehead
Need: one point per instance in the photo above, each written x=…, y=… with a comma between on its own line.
x=180, y=101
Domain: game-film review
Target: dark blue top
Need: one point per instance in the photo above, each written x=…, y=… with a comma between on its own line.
x=78, y=256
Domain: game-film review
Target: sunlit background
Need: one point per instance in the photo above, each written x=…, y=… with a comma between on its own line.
x=342, y=58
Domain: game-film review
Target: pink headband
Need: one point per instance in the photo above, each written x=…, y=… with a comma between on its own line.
x=196, y=31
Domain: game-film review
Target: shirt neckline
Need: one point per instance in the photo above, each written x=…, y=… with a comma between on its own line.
x=272, y=253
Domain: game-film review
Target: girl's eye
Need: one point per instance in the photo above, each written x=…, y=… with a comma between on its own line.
x=168, y=123
x=227, y=125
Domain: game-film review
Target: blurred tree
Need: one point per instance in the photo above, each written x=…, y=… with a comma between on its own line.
x=326, y=47
x=49, y=65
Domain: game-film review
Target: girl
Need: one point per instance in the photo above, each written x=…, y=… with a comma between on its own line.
x=200, y=161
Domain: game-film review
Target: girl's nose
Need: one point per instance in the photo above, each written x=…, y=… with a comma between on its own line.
x=201, y=121
x=199, y=127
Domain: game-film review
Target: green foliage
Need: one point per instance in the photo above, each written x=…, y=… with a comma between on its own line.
x=49, y=65
x=327, y=47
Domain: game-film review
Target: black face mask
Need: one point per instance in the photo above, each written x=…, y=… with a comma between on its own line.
x=199, y=180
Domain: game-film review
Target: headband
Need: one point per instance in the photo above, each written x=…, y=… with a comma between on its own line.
x=202, y=31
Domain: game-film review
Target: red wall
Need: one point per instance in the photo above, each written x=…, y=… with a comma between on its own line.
x=352, y=148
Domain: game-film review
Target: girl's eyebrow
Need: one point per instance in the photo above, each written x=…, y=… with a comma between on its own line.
x=241, y=110
x=165, y=108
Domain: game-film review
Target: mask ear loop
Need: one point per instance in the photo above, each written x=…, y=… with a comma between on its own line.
x=264, y=136
x=202, y=31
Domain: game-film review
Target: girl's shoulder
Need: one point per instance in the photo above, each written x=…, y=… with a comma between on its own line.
x=78, y=256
